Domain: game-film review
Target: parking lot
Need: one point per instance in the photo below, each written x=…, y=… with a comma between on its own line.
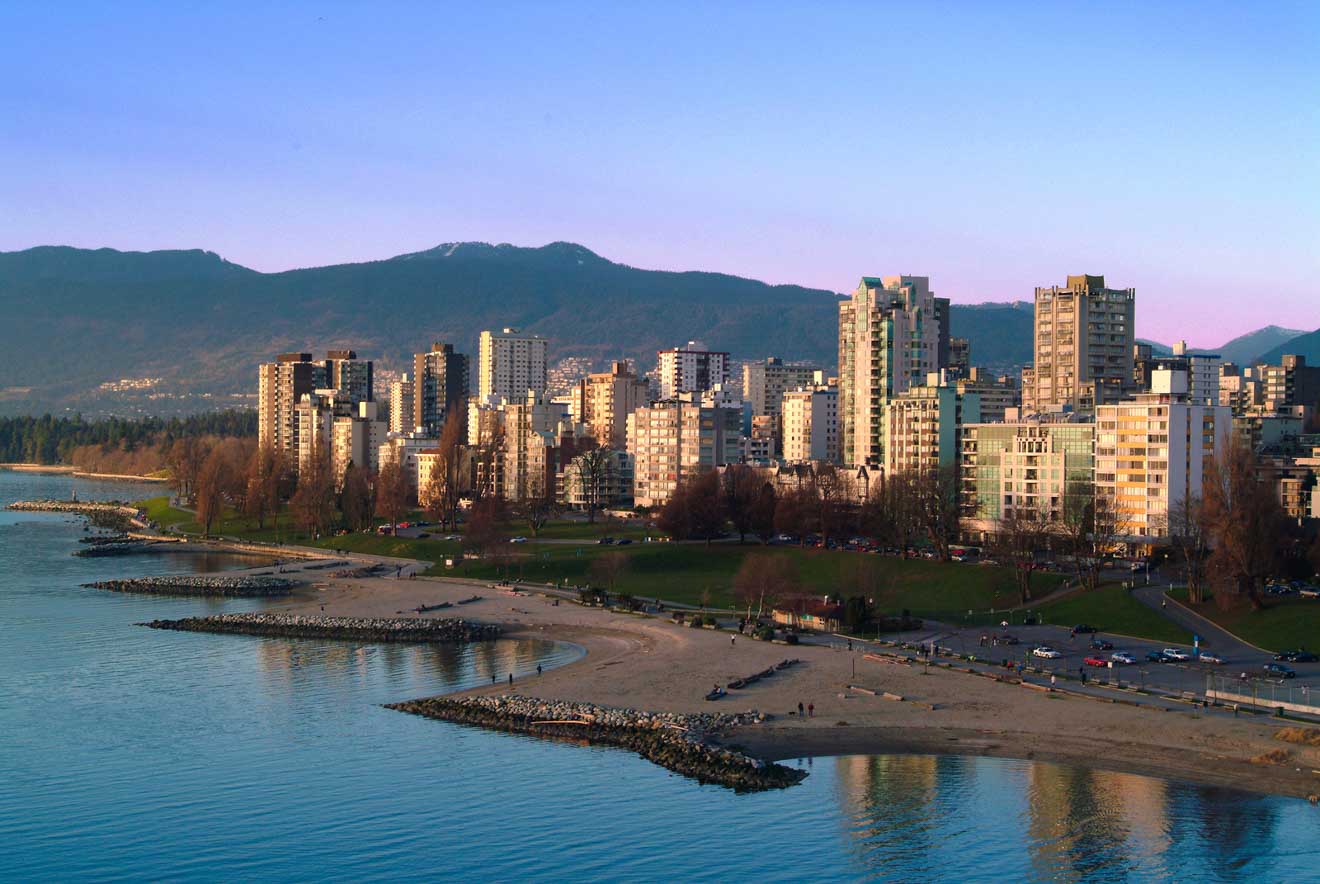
x=1074, y=649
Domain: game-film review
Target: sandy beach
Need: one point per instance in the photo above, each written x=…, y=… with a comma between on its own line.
x=653, y=664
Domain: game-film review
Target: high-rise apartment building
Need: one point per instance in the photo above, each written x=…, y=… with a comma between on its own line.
x=351, y=378
x=356, y=438
x=440, y=384
x=922, y=427
x=892, y=332
x=765, y=383
x=997, y=394
x=675, y=440
x=281, y=384
x=603, y=402
x=811, y=424
x=510, y=363
x=401, y=405
x=1152, y=452
x=1291, y=384
x=1083, y=346
x=691, y=369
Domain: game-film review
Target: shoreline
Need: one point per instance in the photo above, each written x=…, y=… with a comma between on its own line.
x=862, y=705
x=67, y=470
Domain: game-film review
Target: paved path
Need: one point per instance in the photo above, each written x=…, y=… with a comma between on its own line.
x=1212, y=636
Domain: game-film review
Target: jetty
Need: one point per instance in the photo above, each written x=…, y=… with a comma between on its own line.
x=372, y=629
x=243, y=586
x=675, y=741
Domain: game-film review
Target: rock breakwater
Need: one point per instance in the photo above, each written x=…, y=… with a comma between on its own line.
x=356, y=628
x=246, y=586
x=674, y=741
x=117, y=516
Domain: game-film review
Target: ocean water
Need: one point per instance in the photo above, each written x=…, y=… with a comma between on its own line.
x=135, y=754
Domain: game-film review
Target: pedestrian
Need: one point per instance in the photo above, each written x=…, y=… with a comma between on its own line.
x=492, y=678
x=850, y=644
x=510, y=679
x=1051, y=679
x=801, y=709
x=811, y=710
x=733, y=640
x=538, y=668
x=1164, y=603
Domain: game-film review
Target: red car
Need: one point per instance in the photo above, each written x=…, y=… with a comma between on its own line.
x=1096, y=661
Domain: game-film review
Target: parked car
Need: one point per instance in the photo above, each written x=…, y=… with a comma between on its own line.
x=1156, y=657
x=1212, y=658
x=1046, y=652
x=605, y=541
x=517, y=540
x=1297, y=656
x=1006, y=639
x=1123, y=658
x=1083, y=629
x=624, y=541
x=1095, y=661
x=1101, y=644
x=1176, y=654
x=1279, y=670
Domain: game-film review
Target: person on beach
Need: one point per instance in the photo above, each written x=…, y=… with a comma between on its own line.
x=811, y=710
x=510, y=679
x=733, y=640
x=538, y=668
x=801, y=709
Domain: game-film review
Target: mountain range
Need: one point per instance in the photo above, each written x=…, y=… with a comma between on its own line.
x=79, y=318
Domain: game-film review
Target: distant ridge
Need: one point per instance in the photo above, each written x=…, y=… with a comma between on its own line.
x=80, y=317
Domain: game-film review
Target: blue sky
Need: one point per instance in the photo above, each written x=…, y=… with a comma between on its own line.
x=992, y=147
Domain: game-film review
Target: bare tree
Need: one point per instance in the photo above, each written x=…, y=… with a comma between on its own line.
x=694, y=511
x=1021, y=533
x=1089, y=526
x=185, y=463
x=741, y=487
x=593, y=471
x=539, y=505
x=446, y=486
x=608, y=568
x=763, y=579
x=763, y=513
x=209, y=488
x=355, y=499
x=1241, y=514
x=313, y=503
x=935, y=505
x=1188, y=538
x=393, y=493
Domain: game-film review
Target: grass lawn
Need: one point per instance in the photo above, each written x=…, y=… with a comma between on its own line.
x=675, y=572
x=1285, y=623
x=159, y=508
x=684, y=572
x=574, y=530
x=1113, y=609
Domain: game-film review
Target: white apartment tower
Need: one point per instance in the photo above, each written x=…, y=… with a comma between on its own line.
x=893, y=331
x=691, y=369
x=511, y=363
x=811, y=424
x=1152, y=452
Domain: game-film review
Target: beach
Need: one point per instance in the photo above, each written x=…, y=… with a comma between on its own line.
x=651, y=663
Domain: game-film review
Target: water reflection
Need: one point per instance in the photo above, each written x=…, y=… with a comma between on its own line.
x=930, y=815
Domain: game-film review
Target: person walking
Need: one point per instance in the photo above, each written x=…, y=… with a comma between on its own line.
x=801, y=708
x=510, y=679
x=538, y=668
x=733, y=640
x=811, y=710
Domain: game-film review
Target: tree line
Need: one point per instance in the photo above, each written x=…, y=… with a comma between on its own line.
x=56, y=440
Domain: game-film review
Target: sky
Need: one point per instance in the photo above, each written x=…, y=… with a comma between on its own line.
x=994, y=147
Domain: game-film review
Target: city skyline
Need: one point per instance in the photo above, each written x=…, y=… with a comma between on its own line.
x=994, y=161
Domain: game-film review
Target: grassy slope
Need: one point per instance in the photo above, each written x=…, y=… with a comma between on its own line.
x=1112, y=609
x=1286, y=623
